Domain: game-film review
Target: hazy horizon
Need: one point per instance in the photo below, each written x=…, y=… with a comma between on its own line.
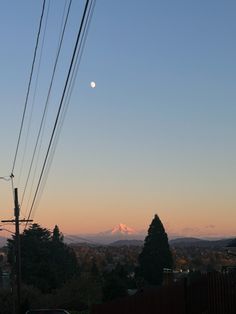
x=207, y=232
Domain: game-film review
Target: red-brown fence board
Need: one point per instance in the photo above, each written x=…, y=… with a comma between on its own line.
x=212, y=293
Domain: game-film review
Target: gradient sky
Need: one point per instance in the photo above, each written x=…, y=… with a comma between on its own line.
x=156, y=135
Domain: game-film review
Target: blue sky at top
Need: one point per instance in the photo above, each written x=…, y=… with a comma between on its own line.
x=158, y=131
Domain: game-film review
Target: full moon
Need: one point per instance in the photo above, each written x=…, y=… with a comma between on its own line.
x=93, y=84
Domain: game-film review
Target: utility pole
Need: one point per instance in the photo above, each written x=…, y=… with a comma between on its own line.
x=17, y=221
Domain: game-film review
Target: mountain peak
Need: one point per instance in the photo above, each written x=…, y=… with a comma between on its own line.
x=122, y=229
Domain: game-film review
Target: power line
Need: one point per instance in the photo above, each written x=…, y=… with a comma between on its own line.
x=47, y=101
x=67, y=97
x=9, y=178
x=28, y=88
x=67, y=100
x=60, y=106
x=5, y=178
x=34, y=94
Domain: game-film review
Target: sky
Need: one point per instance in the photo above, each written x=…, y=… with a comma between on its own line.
x=156, y=135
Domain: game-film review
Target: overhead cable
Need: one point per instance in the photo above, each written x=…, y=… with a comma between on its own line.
x=28, y=88
x=46, y=103
x=67, y=98
x=34, y=96
x=61, y=103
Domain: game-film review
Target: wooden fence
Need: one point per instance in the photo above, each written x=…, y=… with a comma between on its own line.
x=212, y=293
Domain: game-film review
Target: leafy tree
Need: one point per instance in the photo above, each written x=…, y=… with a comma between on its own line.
x=156, y=254
x=46, y=262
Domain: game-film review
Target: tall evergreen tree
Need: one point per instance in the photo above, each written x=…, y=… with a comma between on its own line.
x=47, y=263
x=57, y=236
x=156, y=254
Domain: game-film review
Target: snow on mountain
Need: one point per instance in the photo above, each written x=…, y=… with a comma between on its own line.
x=119, y=232
x=123, y=229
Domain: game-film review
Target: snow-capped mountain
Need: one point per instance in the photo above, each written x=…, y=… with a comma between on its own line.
x=123, y=229
x=119, y=232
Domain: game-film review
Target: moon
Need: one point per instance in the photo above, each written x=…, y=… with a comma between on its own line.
x=93, y=84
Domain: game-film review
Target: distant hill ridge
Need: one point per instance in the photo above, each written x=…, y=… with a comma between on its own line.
x=196, y=242
x=178, y=242
x=127, y=243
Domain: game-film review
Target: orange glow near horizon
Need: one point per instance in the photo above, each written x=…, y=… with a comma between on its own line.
x=105, y=210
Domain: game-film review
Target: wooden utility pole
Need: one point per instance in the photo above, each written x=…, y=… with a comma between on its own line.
x=18, y=252
x=17, y=221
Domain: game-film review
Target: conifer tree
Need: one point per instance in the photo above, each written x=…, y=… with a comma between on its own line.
x=156, y=254
x=47, y=262
x=57, y=236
